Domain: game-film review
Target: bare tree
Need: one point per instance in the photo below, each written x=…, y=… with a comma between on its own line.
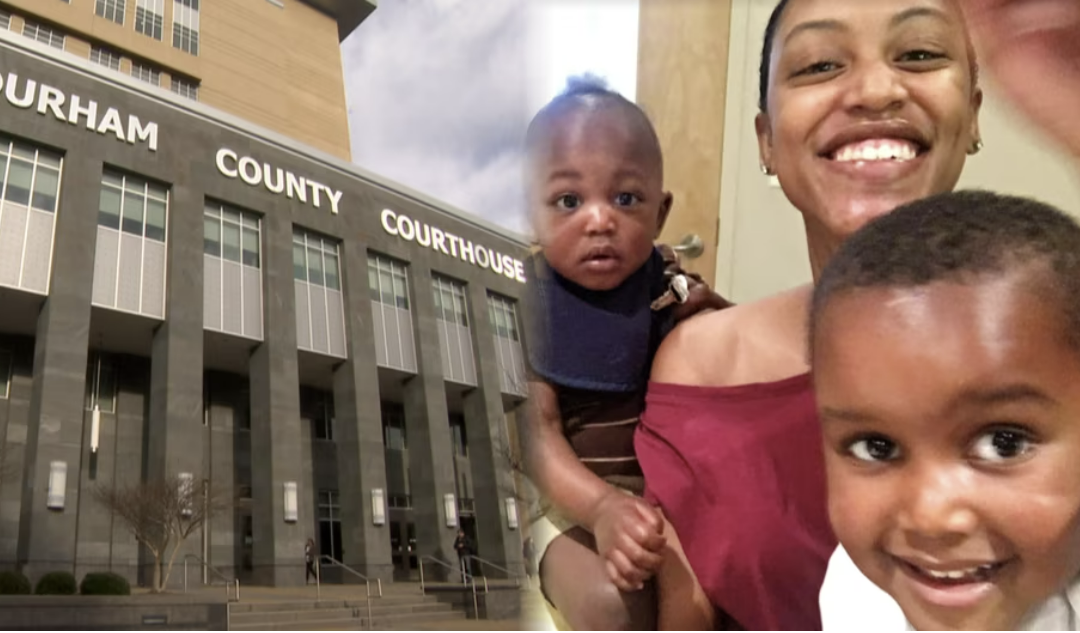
x=162, y=514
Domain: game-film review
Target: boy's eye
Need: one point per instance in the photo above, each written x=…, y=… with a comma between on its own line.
x=920, y=56
x=874, y=448
x=568, y=202
x=1001, y=445
x=626, y=199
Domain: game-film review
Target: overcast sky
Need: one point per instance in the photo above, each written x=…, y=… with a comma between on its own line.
x=440, y=91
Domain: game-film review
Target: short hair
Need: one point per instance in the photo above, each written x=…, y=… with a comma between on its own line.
x=764, y=71
x=964, y=237
x=589, y=91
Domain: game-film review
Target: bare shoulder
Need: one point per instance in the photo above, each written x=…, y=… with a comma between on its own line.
x=743, y=343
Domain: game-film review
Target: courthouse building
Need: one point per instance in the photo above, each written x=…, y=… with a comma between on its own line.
x=194, y=281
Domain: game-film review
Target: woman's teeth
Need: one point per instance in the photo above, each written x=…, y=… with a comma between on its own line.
x=876, y=150
x=971, y=574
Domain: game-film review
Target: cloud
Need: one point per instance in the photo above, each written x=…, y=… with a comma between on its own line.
x=437, y=100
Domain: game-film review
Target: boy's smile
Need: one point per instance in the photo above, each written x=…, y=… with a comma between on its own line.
x=951, y=418
x=595, y=194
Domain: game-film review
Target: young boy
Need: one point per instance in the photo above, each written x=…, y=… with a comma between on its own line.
x=945, y=342
x=601, y=297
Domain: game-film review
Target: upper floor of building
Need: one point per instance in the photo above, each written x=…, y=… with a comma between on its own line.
x=275, y=63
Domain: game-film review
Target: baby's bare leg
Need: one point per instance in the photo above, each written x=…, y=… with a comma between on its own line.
x=574, y=579
x=682, y=604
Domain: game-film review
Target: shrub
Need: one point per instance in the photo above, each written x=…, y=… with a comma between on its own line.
x=104, y=583
x=13, y=583
x=56, y=583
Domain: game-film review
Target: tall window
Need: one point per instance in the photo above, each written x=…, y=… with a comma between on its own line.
x=393, y=419
x=457, y=434
x=185, y=88
x=231, y=234
x=329, y=524
x=145, y=72
x=44, y=34
x=149, y=17
x=315, y=260
x=5, y=19
x=6, y=364
x=29, y=176
x=111, y=10
x=503, y=315
x=105, y=57
x=101, y=382
x=186, y=26
x=450, y=301
x=387, y=281
x=319, y=407
x=133, y=205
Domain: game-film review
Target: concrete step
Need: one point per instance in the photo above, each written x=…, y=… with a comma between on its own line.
x=398, y=621
x=299, y=605
x=377, y=610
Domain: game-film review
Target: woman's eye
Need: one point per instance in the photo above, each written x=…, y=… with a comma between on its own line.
x=568, y=202
x=874, y=449
x=626, y=199
x=1001, y=445
x=818, y=68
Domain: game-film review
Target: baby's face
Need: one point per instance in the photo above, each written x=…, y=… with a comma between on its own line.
x=596, y=196
x=951, y=419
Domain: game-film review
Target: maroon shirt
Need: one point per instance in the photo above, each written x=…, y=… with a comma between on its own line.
x=739, y=472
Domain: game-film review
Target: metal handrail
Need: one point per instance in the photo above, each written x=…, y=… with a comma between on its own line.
x=513, y=574
x=228, y=582
x=456, y=570
x=367, y=582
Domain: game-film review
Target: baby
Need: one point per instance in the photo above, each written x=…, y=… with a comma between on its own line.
x=945, y=344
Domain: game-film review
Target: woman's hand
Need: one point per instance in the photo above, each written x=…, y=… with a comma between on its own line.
x=1032, y=48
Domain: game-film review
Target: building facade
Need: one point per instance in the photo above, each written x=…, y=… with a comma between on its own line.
x=183, y=292
x=276, y=63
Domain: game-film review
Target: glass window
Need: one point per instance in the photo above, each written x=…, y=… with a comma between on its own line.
x=503, y=315
x=388, y=281
x=184, y=88
x=186, y=25
x=457, y=435
x=46, y=186
x=145, y=72
x=212, y=235
x=134, y=205
x=230, y=241
x=109, y=208
x=44, y=34
x=105, y=57
x=316, y=260
x=315, y=266
x=20, y=175
x=251, y=247
x=6, y=363
x=299, y=262
x=111, y=10
x=149, y=17
x=155, y=219
x=333, y=280
x=101, y=382
x=5, y=19
x=450, y=301
x=393, y=418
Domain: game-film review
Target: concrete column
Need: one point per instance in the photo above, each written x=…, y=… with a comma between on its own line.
x=358, y=431
x=47, y=537
x=427, y=429
x=175, y=442
x=278, y=556
x=489, y=445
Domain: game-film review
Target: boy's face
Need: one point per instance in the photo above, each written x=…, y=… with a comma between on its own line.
x=596, y=195
x=951, y=418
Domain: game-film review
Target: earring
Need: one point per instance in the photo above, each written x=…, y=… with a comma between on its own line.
x=766, y=170
x=976, y=147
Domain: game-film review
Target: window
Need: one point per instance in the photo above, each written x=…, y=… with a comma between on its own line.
x=149, y=17
x=44, y=34
x=231, y=234
x=29, y=176
x=185, y=88
x=450, y=301
x=111, y=10
x=315, y=260
x=393, y=419
x=320, y=405
x=6, y=364
x=329, y=524
x=399, y=501
x=457, y=434
x=186, y=26
x=105, y=57
x=388, y=284
x=133, y=205
x=503, y=315
x=145, y=72
x=5, y=19
x=101, y=382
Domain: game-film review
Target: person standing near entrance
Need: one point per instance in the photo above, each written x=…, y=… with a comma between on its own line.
x=465, y=549
x=309, y=560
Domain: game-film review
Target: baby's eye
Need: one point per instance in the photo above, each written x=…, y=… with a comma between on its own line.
x=568, y=202
x=818, y=68
x=1001, y=445
x=920, y=56
x=626, y=199
x=874, y=448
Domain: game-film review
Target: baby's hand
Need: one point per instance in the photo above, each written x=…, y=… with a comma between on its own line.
x=629, y=536
x=701, y=297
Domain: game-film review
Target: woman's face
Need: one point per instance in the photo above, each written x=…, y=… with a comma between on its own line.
x=870, y=105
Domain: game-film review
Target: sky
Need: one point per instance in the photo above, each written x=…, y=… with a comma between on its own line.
x=440, y=91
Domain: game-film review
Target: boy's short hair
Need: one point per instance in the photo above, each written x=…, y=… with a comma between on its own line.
x=588, y=90
x=959, y=237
